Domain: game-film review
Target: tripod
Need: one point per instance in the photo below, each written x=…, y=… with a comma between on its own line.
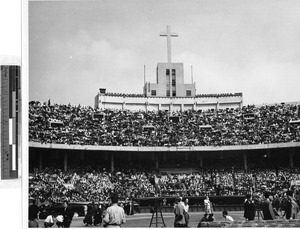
x=155, y=214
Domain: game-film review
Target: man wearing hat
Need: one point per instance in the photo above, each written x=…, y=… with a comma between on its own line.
x=249, y=208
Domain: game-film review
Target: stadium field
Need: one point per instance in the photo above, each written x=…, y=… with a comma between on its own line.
x=143, y=220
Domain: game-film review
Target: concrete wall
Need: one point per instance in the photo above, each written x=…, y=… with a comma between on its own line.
x=164, y=103
x=161, y=72
x=161, y=80
x=167, y=149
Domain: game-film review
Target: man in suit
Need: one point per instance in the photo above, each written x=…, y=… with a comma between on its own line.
x=179, y=210
x=67, y=215
x=291, y=207
x=267, y=208
x=33, y=214
x=249, y=208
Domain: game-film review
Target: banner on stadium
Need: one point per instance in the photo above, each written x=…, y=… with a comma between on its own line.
x=148, y=128
x=55, y=122
x=295, y=182
x=99, y=115
x=249, y=116
x=69, y=186
x=174, y=119
x=295, y=122
x=208, y=127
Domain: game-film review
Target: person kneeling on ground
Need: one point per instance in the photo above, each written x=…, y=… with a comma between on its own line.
x=227, y=217
x=49, y=221
x=211, y=217
x=204, y=219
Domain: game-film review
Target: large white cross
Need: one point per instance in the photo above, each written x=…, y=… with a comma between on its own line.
x=168, y=34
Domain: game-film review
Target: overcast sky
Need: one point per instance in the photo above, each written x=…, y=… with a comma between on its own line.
x=77, y=47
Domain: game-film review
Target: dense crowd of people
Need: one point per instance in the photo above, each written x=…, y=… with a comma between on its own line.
x=67, y=124
x=217, y=95
x=133, y=182
x=197, y=96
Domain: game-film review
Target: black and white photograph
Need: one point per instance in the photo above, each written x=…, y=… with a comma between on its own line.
x=173, y=113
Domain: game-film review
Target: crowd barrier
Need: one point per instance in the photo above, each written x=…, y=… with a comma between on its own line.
x=217, y=208
x=194, y=200
x=196, y=204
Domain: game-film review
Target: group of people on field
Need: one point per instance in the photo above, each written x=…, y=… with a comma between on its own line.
x=114, y=215
x=181, y=209
x=272, y=206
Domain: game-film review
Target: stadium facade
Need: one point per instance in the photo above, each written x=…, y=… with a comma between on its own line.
x=175, y=158
x=168, y=93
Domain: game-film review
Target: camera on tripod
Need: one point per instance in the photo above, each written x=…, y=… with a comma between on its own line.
x=156, y=211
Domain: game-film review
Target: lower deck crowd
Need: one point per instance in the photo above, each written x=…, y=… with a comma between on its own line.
x=133, y=182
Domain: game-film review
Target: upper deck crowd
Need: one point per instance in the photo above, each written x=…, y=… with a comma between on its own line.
x=88, y=126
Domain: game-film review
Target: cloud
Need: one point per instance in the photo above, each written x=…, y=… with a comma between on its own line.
x=259, y=81
x=84, y=64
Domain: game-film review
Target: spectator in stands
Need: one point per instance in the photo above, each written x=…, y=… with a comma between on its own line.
x=84, y=184
x=267, y=207
x=80, y=125
x=227, y=217
x=249, y=208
